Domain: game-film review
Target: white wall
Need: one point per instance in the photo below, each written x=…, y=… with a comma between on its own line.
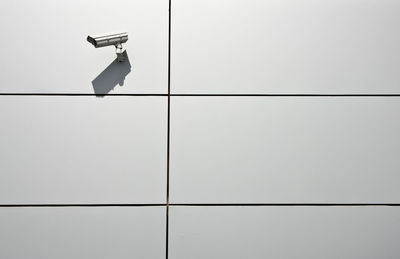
x=236, y=129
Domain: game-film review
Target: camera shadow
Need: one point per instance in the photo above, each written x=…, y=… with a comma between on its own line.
x=111, y=76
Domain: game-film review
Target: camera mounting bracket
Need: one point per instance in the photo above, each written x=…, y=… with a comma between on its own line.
x=119, y=50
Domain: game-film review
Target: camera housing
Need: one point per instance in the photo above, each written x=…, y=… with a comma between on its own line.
x=116, y=40
x=108, y=40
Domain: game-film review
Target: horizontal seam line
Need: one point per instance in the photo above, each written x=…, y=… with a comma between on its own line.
x=83, y=205
x=280, y=204
x=76, y=94
x=205, y=95
x=201, y=205
x=291, y=95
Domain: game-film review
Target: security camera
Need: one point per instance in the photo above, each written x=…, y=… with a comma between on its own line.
x=108, y=40
x=111, y=40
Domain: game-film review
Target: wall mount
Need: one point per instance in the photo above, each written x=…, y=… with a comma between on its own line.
x=111, y=40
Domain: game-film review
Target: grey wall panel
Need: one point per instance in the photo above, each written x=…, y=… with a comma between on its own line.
x=44, y=48
x=285, y=149
x=284, y=232
x=82, y=233
x=291, y=46
x=82, y=149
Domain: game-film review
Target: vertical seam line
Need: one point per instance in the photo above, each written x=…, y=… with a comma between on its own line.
x=168, y=131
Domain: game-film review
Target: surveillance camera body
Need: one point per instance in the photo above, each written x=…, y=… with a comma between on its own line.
x=111, y=40
x=108, y=40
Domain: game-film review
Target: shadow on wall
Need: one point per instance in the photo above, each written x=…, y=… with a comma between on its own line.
x=114, y=74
